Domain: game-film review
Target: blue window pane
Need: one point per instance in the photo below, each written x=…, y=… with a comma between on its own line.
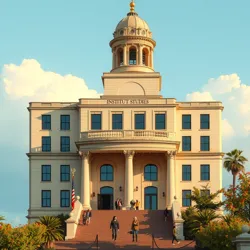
x=65, y=198
x=160, y=121
x=46, y=198
x=106, y=173
x=117, y=121
x=205, y=121
x=65, y=122
x=186, y=121
x=186, y=201
x=46, y=122
x=205, y=172
x=65, y=143
x=150, y=173
x=46, y=143
x=46, y=173
x=186, y=172
x=106, y=190
x=205, y=143
x=96, y=121
x=139, y=121
x=186, y=143
x=65, y=173
x=151, y=190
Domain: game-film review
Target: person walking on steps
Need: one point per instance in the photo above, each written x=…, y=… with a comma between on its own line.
x=137, y=205
x=114, y=226
x=135, y=228
x=174, y=236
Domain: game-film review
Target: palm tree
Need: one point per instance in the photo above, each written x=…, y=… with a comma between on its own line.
x=1, y=219
x=234, y=163
x=53, y=230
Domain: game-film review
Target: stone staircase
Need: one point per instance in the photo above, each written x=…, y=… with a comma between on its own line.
x=151, y=222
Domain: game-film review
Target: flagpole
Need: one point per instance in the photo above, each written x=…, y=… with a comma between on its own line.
x=73, y=170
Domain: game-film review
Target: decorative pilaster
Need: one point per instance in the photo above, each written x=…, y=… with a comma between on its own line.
x=85, y=179
x=129, y=176
x=170, y=187
x=152, y=58
x=140, y=54
x=125, y=55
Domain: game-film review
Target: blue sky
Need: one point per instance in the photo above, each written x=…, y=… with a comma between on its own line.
x=202, y=50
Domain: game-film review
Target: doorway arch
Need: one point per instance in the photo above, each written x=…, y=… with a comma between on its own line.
x=105, y=198
x=151, y=198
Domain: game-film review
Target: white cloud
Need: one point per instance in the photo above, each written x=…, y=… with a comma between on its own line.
x=30, y=80
x=200, y=97
x=227, y=129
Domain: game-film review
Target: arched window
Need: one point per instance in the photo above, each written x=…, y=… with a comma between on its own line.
x=120, y=57
x=132, y=56
x=107, y=190
x=107, y=173
x=150, y=173
x=145, y=57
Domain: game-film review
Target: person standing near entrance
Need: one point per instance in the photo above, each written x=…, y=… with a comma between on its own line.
x=174, y=236
x=135, y=228
x=88, y=216
x=166, y=214
x=116, y=204
x=114, y=226
x=137, y=205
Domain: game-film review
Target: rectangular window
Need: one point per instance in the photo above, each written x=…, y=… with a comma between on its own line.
x=186, y=143
x=205, y=192
x=186, y=201
x=186, y=172
x=205, y=143
x=205, y=121
x=160, y=121
x=186, y=121
x=96, y=121
x=65, y=143
x=46, y=172
x=65, y=122
x=46, y=143
x=139, y=121
x=116, y=121
x=46, y=122
x=65, y=198
x=46, y=198
x=205, y=172
x=65, y=173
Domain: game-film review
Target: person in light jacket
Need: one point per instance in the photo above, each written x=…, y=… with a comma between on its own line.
x=135, y=228
x=114, y=226
x=174, y=236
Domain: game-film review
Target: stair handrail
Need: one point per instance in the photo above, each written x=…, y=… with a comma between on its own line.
x=96, y=241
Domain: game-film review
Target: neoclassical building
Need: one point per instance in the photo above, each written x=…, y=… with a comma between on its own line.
x=131, y=143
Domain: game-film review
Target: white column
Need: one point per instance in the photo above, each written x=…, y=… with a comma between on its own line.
x=85, y=180
x=141, y=54
x=170, y=187
x=129, y=177
x=125, y=55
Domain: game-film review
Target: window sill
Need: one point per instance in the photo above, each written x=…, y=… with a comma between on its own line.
x=46, y=130
x=186, y=129
x=64, y=129
x=204, y=129
x=46, y=181
x=204, y=181
x=186, y=181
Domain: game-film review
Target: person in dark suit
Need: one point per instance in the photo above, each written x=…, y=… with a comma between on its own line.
x=114, y=226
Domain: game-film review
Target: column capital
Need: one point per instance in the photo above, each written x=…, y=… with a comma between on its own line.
x=84, y=154
x=171, y=153
x=129, y=153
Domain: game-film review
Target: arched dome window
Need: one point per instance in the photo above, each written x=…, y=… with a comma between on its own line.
x=150, y=173
x=145, y=56
x=120, y=57
x=132, y=56
x=107, y=173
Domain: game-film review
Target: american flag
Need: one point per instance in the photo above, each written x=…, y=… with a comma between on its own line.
x=73, y=198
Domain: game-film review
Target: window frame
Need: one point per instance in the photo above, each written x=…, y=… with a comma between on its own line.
x=42, y=198
x=91, y=121
x=67, y=198
x=46, y=146
x=144, y=121
x=183, y=144
x=64, y=147
x=106, y=172
x=115, y=122
x=156, y=122
x=202, y=123
x=132, y=61
x=185, y=122
x=150, y=172
x=64, y=174
x=46, y=123
x=183, y=172
x=65, y=125
x=203, y=144
x=45, y=174
x=202, y=173
x=185, y=199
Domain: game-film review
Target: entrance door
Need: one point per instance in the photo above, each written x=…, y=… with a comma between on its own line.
x=105, y=198
x=150, y=201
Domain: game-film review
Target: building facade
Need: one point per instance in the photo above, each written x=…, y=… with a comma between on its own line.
x=131, y=143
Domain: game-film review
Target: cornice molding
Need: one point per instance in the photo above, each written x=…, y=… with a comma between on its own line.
x=52, y=154
x=190, y=154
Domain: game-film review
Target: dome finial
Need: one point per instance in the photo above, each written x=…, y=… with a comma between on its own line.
x=132, y=6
